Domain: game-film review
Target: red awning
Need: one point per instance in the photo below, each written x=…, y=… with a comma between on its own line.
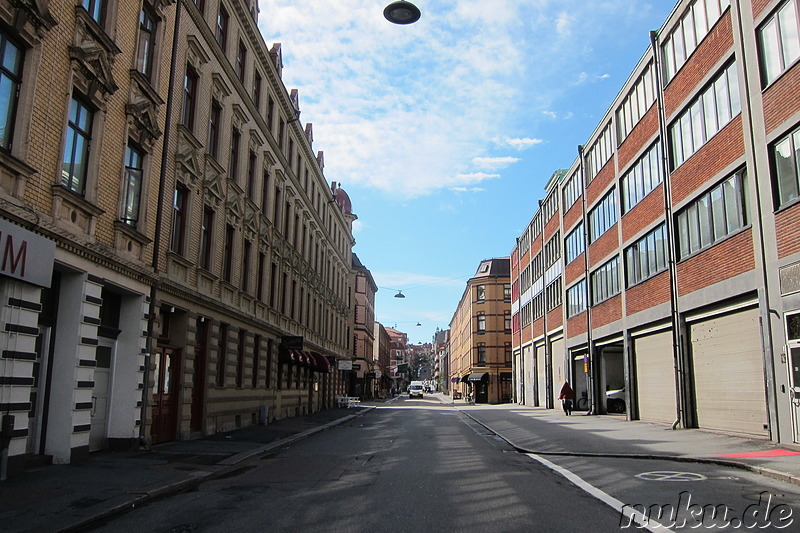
x=296, y=357
x=321, y=363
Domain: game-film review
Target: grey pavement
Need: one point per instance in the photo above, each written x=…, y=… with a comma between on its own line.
x=66, y=498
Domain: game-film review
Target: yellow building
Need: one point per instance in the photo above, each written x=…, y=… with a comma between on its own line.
x=480, y=335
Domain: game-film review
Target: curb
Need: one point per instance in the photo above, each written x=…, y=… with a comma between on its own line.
x=229, y=464
x=767, y=472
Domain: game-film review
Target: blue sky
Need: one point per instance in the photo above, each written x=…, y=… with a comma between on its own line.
x=445, y=132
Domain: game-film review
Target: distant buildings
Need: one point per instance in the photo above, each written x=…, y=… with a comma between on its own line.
x=665, y=260
x=480, y=335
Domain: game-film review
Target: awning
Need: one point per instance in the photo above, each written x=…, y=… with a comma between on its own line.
x=321, y=363
x=465, y=378
x=478, y=376
x=296, y=357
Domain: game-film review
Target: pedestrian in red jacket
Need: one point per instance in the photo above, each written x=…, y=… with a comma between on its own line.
x=567, y=396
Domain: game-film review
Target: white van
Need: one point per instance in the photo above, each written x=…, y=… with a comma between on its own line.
x=415, y=389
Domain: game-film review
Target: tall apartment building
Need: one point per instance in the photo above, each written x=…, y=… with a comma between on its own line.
x=397, y=356
x=175, y=262
x=363, y=327
x=441, y=354
x=664, y=261
x=480, y=335
x=380, y=361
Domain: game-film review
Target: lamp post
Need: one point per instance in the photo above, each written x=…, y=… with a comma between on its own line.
x=401, y=12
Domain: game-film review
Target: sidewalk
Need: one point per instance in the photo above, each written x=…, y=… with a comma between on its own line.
x=550, y=432
x=62, y=498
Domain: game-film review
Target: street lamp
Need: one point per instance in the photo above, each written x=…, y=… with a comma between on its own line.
x=402, y=12
x=399, y=294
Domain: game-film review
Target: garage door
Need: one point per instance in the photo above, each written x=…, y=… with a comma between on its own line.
x=559, y=375
x=728, y=371
x=530, y=375
x=541, y=376
x=655, y=377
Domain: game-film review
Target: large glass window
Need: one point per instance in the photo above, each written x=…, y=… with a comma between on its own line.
x=636, y=103
x=214, y=123
x=133, y=185
x=147, y=41
x=602, y=216
x=642, y=178
x=10, y=78
x=705, y=116
x=786, y=168
x=241, y=61
x=599, y=153
x=206, y=237
x=694, y=25
x=647, y=256
x=572, y=191
x=227, y=260
x=712, y=216
x=605, y=281
x=76, y=147
x=576, y=298
x=222, y=27
x=779, y=39
x=96, y=9
x=574, y=244
x=189, y=97
x=179, y=213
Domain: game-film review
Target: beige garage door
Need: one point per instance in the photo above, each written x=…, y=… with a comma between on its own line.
x=559, y=375
x=541, y=376
x=655, y=381
x=728, y=373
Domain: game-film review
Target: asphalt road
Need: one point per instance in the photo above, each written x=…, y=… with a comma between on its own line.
x=412, y=466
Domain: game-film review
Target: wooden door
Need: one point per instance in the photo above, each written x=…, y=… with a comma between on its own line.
x=165, y=395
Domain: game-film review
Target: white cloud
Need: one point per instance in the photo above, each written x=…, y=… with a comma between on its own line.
x=519, y=143
x=358, y=226
x=467, y=189
x=494, y=162
x=550, y=114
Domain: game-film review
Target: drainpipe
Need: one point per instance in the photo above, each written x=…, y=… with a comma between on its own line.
x=677, y=338
x=589, y=346
x=151, y=312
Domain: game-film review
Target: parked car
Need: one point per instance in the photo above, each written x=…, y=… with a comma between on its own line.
x=615, y=400
x=415, y=389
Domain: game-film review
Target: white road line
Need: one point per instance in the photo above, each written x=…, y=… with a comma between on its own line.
x=640, y=522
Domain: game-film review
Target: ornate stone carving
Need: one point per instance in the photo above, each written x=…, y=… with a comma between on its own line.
x=92, y=56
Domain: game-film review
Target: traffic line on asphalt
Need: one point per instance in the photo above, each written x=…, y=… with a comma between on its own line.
x=642, y=522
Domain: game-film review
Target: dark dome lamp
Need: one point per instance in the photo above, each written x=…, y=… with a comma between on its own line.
x=399, y=294
x=402, y=12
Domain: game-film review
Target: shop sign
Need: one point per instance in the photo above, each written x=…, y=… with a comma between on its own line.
x=25, y=255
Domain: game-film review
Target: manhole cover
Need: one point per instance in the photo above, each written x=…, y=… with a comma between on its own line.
x=671, y=476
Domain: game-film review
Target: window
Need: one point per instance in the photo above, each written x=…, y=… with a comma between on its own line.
x=206, y=237
x=241, y=61
x=200, y=5
x=712, y=217
x=270, y=112
x=251, y=174
x=481, y=354
x=179, y=214
x=256, y=89
x=785, y=156
x=605, y=281
x=214, y=123
x=76, y=147
x=133, y=185
x=576, y=299
x=233, y=162
x=189, y=97
x=602, y=216
x=260, y=280
x=256, y=360
x=780, y=41
x=599, y=153
x=222, y=27
x=552, y=250
x=227, y=261
x=246, y=266
x=222, y=352
x=553, y=294
x=265, y=192
x=642, y=178
x=549, y=207
x=636, y=103
x=507, y=320
x=647, y=256
x=481, y=323
x=506, y=292
x=574, y=244
x=481, y=292
x=689, y=32
x=572, y=191
x=96, y=9
x=147, y=41
x=10, y=78
x=240, y=358
x=705, y=116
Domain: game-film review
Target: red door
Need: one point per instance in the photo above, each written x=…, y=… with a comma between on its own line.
x=165, y=395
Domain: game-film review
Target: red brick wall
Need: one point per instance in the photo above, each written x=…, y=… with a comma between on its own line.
x=576, y=325
x=759, y=6
x=599, y=249
x=710, y=51
x=643, y=213
x=552, y=226
x=787, y=231
x=554, y=318
x=573, y=215
x=641, y=134
x=647, y=294
x=726, y=146
x=782, y=98
x=727, y=259
x=607, y=312
x=597, y=187
x=538, y=327
x=573, y=270
x=526, y=334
